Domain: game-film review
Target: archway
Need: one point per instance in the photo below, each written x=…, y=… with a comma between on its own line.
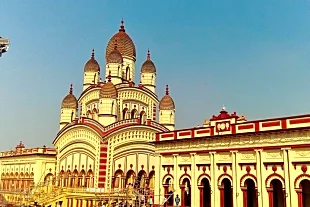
x=152, y=180
x=142, y=117
x=186, y=193
x=168, y=190
x=141, y=179
x=134, y=113
x=130, y=177
x=249, y=194
x=226, y=193
x=118, y=180
x=125, y=110
x=305, y=187
x=276, y=193
x=205, y=193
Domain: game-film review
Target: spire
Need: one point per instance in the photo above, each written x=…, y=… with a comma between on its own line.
x=93, y=53
x=109, y=76
x=122, y=27
x=71, y=89
x=167, y=90
x=148, y=55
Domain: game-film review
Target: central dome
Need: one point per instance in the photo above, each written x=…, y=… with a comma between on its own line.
x=125, y=44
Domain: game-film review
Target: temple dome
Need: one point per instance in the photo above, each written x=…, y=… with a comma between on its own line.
x=166, y=103
x=92, y=65
x=70, y=101
x=125, y=44
x=148, y=66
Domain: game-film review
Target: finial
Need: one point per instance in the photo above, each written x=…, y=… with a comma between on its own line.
x=223, y=108
x=93, y=53
x=115, y=43
x=167, y=90
x=122, y=27
x=109, y=76
x=71, y=89
x=148, y=54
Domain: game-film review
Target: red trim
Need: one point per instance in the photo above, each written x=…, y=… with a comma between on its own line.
x=184, y=133
x=241, y=149
x=223, y=175
x=271, y=124
x=300, y=121
x=245, y=127
x=182, y=177
x=246, y=176
x=298, y=178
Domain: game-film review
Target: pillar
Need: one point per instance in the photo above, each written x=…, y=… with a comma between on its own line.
x=158, y=180
x=182, y=196
x=77, y=202
x=213, y=183
x=270, y=196
x=235, y=181
x=284, y=197
x=221, y=188
x=259, y=186
x=286, y=177
x=194, y=187
x=244, y=196
x=299, y=195
x=201, y=198
x=175, y=178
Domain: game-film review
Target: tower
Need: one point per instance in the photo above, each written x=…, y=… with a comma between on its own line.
x=108, y=103
x=91, y=71
x=148, y=73
x=114, y=65
x=167, y=111
x=69, y=108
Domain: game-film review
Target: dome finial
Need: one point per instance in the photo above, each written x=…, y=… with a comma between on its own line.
x=93, y=53
x=71, y=89
x=148, y=54
x=122, y=27
x=167, y=90
x=109, y=76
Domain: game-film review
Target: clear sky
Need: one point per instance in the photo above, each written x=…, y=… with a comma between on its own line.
x=251, y=56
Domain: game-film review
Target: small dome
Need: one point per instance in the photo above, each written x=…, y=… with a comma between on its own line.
x=70, y=101
x=125, y=44
x=166, y=103
x=108, y=90
x=148, y=66
x=92, y=64
x=115, y=56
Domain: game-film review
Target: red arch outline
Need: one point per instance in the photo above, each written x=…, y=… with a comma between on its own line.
x=298, y=178
x=167, y=175
x=201, y=177
x=242, y=179
x=220, y=177
x=272, y=176
x=182, y=177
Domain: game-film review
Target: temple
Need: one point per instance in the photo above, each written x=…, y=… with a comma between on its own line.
x=117, y=142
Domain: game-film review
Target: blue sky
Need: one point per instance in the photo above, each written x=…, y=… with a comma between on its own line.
x=252, y=56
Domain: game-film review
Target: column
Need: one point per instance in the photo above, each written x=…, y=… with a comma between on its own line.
x=194, y=187
x=77, y=202
x=270, y=196
x=215, y=198
x=158, y=179
x=68, y=202
x=81, y=203
x=87, y=203
x=176, y=186
x=299, y=194
x=234, y=179
x=201, y=198
x=71, y=202
x=286, y=178
x=182, y=196
x=244, y=196
x=221, y=188
x=259, y=179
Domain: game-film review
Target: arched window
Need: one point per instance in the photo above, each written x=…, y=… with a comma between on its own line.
x=143, y=117
x=125, y=113
x=134, y=113
x=127, y=73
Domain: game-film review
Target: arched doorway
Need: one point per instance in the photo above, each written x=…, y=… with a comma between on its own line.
x=205, y=193
x=134, y=113
x=186, y=193
x=305, y=187
x=168, y=186
x=276, y=194
x=130, y=176
x=249, y=193
x=141, y=179
x=118, y=179
x=152, y=180
x=226, y=193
